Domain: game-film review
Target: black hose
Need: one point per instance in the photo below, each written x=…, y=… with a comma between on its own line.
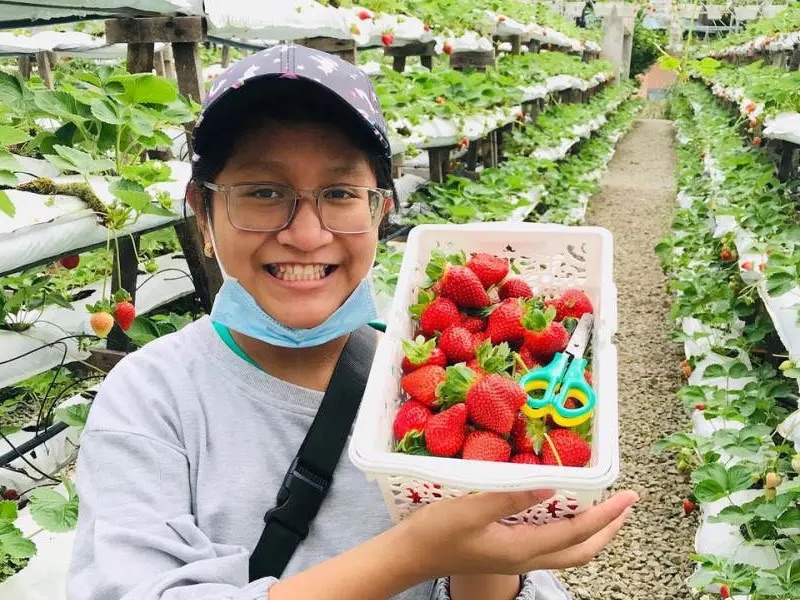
x=34, y=442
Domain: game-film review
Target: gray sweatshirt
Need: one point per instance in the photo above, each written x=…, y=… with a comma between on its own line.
x=184, y=450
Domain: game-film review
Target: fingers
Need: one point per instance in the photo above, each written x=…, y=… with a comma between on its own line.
x=584, y=552
x=565, y=533
x=489, y=507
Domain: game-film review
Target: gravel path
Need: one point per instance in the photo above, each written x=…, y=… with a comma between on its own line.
x=649, y=557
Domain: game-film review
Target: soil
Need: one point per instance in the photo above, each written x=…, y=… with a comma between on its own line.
x=650, y=555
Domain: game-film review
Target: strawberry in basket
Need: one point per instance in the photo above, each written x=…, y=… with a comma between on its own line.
x=481, y=330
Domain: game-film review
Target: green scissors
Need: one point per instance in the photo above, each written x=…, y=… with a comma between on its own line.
x=561, y=380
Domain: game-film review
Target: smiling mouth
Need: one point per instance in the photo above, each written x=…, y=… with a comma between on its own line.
x=299, y=272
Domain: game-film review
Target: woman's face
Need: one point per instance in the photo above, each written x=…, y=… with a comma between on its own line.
x=269, y=264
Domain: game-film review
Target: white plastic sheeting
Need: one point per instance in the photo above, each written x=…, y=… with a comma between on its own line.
x=404, y=29
x=20, y=10
x=281, y=20
x=47, y=226
x=28, y=353
x=761, y=43
x=783, y=126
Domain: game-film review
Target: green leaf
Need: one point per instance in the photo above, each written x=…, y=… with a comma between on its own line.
x=10, y=136
x=733, y=515
x=82, y=162
x=738, y=370
x=52, y=511
x=714, y=371
x=709, y=491
x=669, y=63
x=8, y=162
x=13, y=543
x=106, y=111
x=74, y=415
x=8, y=178
x=145, y=88
x=8, y=510
x=6, y=206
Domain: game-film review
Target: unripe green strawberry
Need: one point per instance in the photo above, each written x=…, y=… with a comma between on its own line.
x=101, y=323
x=772, y=480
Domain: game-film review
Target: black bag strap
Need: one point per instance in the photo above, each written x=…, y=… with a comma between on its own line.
x=310, y=475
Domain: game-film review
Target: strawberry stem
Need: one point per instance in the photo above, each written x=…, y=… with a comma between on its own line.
x=553, y=448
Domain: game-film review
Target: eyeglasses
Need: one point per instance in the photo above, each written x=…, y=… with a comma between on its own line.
x=266, y=206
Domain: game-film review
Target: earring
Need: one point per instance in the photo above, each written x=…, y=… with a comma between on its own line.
x=208, y=250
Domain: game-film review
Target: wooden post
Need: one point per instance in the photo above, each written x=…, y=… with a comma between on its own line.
x=225, y=61
x=43, y=66
x=399, y=54
x=124, y=274
x=25, y=66
x=397, y=165
x=794, y=61
x=516, y=44
x=169, y=62
x=184, y=33
x=788, y=166
x=472, y=156
x=141, y=57
x=478, y=60
x=159, y=63
x=489, y=150
x=438, y=159
x=344, y=49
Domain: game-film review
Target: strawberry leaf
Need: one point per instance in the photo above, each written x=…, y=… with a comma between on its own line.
x=413, y=443
x=419, y=350
x=454, y=388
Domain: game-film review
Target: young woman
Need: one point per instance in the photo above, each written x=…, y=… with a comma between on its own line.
x=190, y=437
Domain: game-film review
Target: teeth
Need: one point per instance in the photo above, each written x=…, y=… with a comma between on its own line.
x=298, y=272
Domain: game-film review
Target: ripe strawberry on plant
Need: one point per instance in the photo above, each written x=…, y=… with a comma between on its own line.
x=566, y=448
x=571, y=303
x=457, y=282
x=9, y=494
x=447, y=48
x=544, y=336
x=494, y=401
x=387, y=39
x=364, y=15
x=514, y=287
x=486, y=445
x=724, y=592
x=505, y=322
x=688, y=506
x=421, y=384
x=124, y=314
x=421, y=353
x=411, y=417
x=489, y=268
x=458, y=344
x=445, y=431
x=434, y=314
x=70, y=262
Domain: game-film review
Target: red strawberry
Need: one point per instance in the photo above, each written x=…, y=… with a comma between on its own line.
x=700, y=406
x=473, y=324
x=526, y=458
x=411, y=416
x=514, y=287
x=724, y=592
x=521, y=442
x=458, y=344
x=458, y=283
x=426, y=27
x=445, y=432
x=421, y=384
x=750, y=107
x=447, y=48
x=489, y=268
x=572, y=303
x=528, y=358
x=688, y=506
x=494, y=401
x=543, y=336
x=70, y=262
x=9, y=494
x=566, y=448
x=124, y=314
x=421, y=353
x=747, y=265
x=435, y=314
x=587, y=375
x=486, y=445
x=756, y=141
x=364, y=15
x=387, y=39
x=101, y=323
x=505, y=323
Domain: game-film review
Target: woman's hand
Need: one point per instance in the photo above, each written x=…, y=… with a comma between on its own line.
x=463, y=535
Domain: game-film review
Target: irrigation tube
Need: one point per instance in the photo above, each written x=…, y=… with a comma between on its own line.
x=32, y=443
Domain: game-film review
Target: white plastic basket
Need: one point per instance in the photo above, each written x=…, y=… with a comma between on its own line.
x=551, y=258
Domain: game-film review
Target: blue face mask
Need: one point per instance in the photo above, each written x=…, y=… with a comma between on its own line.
x=236, y=309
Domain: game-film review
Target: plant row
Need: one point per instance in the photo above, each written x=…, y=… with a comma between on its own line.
x=521, y=187
x=739, y=456
x=761, y=35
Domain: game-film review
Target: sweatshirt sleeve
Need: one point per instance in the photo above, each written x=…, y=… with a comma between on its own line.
x=136, y=538
x=536, y=585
